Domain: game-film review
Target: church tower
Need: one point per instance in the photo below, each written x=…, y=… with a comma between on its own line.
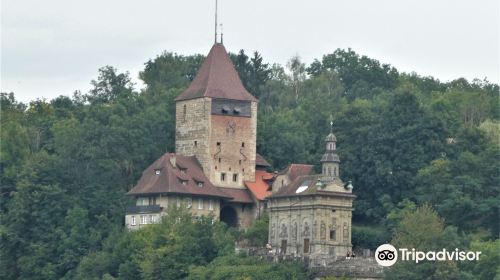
x=330, y=160
x=216, y=121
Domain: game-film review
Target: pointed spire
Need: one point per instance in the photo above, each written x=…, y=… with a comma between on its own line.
x=217, y=78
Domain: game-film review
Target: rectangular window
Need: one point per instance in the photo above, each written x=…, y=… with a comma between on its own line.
x=243, y=144
x=223, y=177
x=152, y=219
x=142, y=201
x=133, y=220
x=189, y=203
x=178, y=201
x=283, y=247
x=143, y=220
x=333, y=235
x=210, y=204
x=200, y=203
x=235, y=177
x=306, y=245
x=152, y=201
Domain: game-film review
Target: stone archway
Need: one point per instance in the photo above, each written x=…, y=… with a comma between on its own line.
x=228, y=215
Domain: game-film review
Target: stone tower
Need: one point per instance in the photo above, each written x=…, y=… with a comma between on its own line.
x=216, y=121
x=330, y=160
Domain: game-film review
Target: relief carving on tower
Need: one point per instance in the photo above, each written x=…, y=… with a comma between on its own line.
x=272, y=231
x=306, y=232
x=283, y=231
x=322, y=233
x=346, y=233
x=294, y=231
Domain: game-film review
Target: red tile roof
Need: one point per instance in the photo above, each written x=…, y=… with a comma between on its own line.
x=260, y=188
x=217, y=78
x=238, y=195
x=170, y=179
x=295, y=170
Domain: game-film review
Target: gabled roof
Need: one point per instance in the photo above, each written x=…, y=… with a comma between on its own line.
x=295, y=170
x=238, y=195
x=217, y=78
x=183, y=178
x=261, y=161
x=260, y=188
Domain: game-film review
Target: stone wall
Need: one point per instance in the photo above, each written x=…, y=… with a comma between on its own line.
x=322, y=221
x=192, y=127
x=233, y=148
x=357, y=268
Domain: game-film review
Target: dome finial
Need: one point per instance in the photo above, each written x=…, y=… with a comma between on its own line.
x=331, y=124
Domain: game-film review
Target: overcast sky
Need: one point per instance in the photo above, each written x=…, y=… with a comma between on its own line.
x=54, y=47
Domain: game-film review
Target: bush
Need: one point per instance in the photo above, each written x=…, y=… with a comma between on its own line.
x=258, y=233
x=369, y=238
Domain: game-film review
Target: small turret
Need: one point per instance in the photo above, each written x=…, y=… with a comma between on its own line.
x=330, y=160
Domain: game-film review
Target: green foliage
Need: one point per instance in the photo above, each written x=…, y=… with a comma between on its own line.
x=243, y=267
x=368, y=237
x=424, y=230
x=257, y=234
x=488, y=265
x=160, y=251
x=65, y=164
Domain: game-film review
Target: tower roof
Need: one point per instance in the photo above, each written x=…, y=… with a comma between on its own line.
x=217, y=78
x=331, y=138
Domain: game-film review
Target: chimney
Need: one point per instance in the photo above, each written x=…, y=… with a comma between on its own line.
x=172, y=160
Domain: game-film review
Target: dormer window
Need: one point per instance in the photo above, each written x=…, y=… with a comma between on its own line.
x=157, y=171
x=183, y=182
x=199, y=183
x=225, y=109
x=237, y=110
x=183, y=170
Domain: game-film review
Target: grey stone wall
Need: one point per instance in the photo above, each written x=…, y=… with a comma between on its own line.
x=192, y=127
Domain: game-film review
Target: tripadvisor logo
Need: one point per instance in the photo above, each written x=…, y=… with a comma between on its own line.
x=387, y=255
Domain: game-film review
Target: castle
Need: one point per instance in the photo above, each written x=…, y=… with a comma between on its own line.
x=217, y=171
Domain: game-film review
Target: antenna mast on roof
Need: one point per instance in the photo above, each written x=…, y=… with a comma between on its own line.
x=215, y=22
x=221, y=34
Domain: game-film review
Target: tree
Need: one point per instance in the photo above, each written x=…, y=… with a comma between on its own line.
x=424, y=230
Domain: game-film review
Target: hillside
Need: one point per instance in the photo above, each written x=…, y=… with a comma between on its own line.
x=412, y=145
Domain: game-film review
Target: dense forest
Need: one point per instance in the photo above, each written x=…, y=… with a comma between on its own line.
x=422, y=155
